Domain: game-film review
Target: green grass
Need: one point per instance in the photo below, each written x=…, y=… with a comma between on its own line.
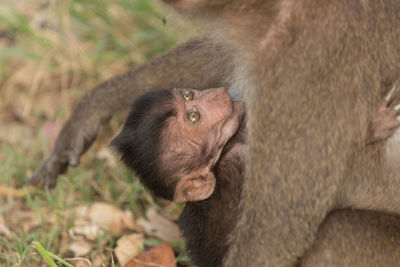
x=51, y=53
x=73, y=45
x=92, y=181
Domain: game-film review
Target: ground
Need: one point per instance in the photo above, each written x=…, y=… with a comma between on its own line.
x=51, y=53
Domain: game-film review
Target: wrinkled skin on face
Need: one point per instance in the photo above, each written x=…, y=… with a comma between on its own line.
x=205, y=122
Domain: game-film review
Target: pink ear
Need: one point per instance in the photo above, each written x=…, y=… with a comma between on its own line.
x=195, y=188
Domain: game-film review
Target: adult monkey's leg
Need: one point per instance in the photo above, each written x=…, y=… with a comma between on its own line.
x=198, y=63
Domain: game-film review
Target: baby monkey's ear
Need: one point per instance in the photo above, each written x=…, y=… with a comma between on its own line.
x=196, y=186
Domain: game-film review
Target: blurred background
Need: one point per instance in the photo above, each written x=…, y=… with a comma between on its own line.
x=52, y=52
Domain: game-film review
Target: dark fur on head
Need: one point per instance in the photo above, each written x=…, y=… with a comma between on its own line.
x=142, y=144
x=139, y=141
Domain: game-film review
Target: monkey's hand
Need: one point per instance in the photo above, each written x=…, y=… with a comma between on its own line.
x=75, y=138
x=384, y=123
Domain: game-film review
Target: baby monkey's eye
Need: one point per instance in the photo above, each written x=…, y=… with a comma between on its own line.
x=187, y=95
x=193, y=117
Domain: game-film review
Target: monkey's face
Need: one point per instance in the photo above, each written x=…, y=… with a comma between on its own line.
x=193, y=139
x=207, y=116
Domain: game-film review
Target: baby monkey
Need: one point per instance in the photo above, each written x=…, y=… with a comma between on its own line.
x=189, y=146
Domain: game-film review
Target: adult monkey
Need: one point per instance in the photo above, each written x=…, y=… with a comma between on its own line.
x=315, y=66
x=310, y=62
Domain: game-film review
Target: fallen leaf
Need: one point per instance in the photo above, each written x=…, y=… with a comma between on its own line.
x=128, y=247
x=161, y=256
x=80, y=262
x=90, y=221
x=99, y=261
x=90, y=231
x=160, y=227
x=80, y=248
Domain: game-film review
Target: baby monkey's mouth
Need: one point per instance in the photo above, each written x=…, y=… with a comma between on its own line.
x=236, y=95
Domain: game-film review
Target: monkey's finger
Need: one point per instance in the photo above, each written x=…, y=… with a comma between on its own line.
x=391, y=111
x=396, y=112
x=74, y=154
x=73, y=158
x=393, y=94
x=79, y=147
x=396, y=108
x=52, y=177
x=46, y=175
x=34, y=179
x=382, y=106
x=38, y=177
x=393, y=124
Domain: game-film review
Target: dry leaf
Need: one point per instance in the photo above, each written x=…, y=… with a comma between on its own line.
x=82, y=263
x=128, y=247
x=100, y=261
x=90, y=221
x=80, y=248
x=160, y=227
x=89, y=231
x=162, y=255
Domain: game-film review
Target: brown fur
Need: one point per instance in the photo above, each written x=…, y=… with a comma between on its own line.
x=315, y=66
x=349, y=238
x=318, y=84
x=166, y=151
